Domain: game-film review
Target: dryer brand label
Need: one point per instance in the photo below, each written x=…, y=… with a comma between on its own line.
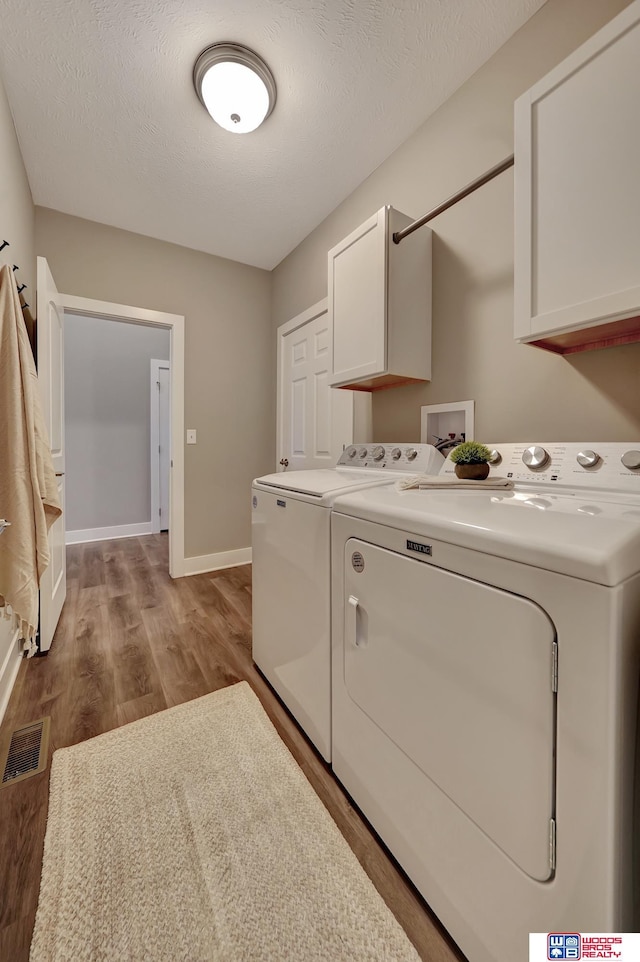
x=357, y=561
x=281, y=503
x=420, y=548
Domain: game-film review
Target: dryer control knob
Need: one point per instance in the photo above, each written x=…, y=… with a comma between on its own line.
x=396, y=454
x=631, y=459
x=535, y=457
x=412, y=454
x=587, y=459
x=362, y=452
x=496, y=457
x=378, y=453
x=351, y=451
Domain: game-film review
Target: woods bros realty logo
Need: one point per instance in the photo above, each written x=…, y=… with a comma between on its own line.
x=570, y=945
x=561, y=946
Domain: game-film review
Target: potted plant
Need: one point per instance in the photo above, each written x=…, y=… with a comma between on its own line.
x=471, y=460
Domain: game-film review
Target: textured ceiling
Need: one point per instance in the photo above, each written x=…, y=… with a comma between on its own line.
x=111, y=129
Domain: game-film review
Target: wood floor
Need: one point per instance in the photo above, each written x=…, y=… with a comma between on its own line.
x=131, y=642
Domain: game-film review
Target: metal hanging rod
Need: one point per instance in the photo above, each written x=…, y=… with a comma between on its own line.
x=469, y=189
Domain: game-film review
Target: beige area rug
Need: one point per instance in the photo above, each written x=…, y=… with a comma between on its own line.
x=193, y=835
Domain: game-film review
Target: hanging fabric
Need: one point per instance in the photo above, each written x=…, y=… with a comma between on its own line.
x=28, y=490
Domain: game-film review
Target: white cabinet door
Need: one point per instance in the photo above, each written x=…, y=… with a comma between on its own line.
x=315, y=423
x=53, y=587
x=380, y=305
x=357, y=295
x=577, y=202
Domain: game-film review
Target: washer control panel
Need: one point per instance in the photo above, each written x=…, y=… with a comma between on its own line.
x=606, y=466
x=406, y=458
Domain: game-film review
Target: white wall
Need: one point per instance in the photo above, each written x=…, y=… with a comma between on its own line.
x=107, y=420
x=520, y=391
x=229, y=358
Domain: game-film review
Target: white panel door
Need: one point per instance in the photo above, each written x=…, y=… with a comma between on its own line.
x=53, y=588
x=160, y=435
x=316, y=421
x=165, y=447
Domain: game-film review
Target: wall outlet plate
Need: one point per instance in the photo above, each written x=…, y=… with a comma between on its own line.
x=191, y=436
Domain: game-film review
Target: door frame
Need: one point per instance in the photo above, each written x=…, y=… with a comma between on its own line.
x=175, y=324
x=283, y=331
x=154, y=434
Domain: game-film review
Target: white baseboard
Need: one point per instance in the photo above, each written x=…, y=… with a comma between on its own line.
x=213, y=562
x=10, y=658
x=106, y=534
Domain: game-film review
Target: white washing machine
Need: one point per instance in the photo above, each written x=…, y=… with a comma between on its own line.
x=486, y=649
x=290, y=534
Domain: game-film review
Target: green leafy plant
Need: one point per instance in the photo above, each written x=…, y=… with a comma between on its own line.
x=470, y=452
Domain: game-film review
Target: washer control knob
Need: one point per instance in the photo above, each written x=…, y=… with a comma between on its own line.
x=412, y=454
x=396, y=454
x=496, y=457
x=631, y=459
x=362, y=452
x=535, y=457
x=351, y=451
x=378, y=453
x=587, y=459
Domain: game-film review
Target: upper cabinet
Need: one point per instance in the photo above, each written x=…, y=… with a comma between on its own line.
x=577, y=196
x=380, y=305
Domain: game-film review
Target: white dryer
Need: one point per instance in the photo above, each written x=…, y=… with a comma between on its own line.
x=290, y=534
x=486, y=652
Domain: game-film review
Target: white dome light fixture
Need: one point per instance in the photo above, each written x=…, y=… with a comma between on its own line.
x=235, y=85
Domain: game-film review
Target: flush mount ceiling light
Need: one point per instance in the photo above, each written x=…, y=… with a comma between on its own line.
x=235, y=85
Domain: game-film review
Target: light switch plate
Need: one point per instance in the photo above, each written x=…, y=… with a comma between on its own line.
x=191, y=436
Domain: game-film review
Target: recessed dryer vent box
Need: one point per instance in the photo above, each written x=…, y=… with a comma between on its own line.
x=439, y=421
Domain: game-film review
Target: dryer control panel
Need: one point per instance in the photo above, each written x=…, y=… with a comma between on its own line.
x=596, y=466
x=403, y=457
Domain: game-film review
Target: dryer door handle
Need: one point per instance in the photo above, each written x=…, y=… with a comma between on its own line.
x=352, y=622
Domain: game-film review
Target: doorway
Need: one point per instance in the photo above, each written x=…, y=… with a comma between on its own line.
x=89, y=307
x=108, y=417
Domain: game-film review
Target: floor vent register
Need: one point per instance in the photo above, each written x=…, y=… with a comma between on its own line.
x=23, y=752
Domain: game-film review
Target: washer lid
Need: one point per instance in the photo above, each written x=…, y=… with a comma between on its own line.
x=318, y=484
x=593, y=540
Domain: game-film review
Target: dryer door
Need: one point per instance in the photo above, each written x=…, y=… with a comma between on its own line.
x=458, y=674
